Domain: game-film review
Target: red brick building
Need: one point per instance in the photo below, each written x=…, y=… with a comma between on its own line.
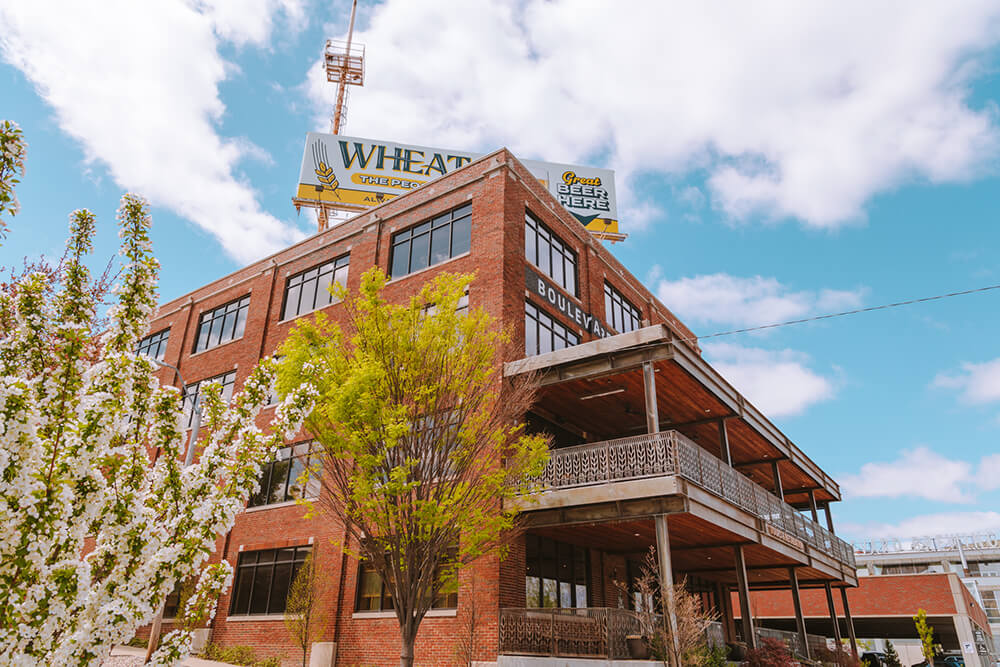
x=882, y=607
x=650, y=444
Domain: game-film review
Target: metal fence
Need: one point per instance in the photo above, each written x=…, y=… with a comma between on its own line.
x=671, y=453
x=585, y=633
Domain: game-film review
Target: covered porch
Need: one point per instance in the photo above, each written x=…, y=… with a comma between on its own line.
x=652, y=447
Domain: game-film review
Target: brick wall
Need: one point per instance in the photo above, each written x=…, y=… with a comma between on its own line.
x=501, y=191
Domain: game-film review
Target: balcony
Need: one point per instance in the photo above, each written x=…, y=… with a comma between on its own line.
x=670, y=453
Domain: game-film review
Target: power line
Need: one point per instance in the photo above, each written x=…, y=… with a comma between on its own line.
x=857, y=311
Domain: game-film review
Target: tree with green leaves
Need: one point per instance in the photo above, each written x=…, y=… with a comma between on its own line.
x=420, y=437
x=891, y=656
x=926, y=634
x=305, y=615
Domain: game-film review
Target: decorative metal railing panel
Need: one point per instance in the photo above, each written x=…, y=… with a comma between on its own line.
x=671, y=453
x=594, y=632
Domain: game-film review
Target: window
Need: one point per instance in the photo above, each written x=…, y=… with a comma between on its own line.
x=263, y=579
x=462, y=307
x=279, y=481
x=622, y=315
x=543, y=334
x=431, y=242
x=547, y=252
x=154, y=346
x=223, y=324
x=373, y=596
x=310, y=289
x=556, y=573
x=192, y=391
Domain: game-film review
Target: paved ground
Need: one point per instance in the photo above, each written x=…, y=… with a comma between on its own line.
x=129, y=656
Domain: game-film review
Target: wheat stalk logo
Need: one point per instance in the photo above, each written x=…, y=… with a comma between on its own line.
x=324, y=172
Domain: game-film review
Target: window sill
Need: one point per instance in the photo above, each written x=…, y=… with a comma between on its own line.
x=209, y=349
x=272, y=506
x=270, y=618
x=431, y=613
x=428, y=268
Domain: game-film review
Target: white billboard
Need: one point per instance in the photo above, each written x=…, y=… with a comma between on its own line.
x=367, y=172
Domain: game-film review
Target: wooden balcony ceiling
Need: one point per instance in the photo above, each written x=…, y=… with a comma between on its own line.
x=697, y=548
x=595, y=390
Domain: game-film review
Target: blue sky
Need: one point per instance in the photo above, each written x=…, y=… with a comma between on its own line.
x=774, y=161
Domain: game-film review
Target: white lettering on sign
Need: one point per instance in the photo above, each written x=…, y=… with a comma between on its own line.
x=539, y=286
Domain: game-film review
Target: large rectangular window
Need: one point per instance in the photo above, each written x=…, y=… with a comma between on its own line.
x=279, y=481
x=432, y=242
x=543, y=334
x=310, y=289
x=547, y=252
x=154, y=345
x=192, y=398
x=556, y=574
x=374, y=596
x=621, y=315
x=263, y=579
x=222, y=324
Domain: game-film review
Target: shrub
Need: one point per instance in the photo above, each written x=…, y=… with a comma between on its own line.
x=771, y=653
x=238, y=655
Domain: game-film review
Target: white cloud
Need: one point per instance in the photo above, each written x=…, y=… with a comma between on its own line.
x=940, y=523
x=988, y=475
x=976, y=383
x=138, y=85
x=790, y=109
x=778, y=382
x=729, y=300
x=916, y=473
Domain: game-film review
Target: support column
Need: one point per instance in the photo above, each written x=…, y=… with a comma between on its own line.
x=850, y=622
x=666, y=579
x=649, y=390
x=812, y=506
x=776, y=476
x=800, y=621
x=741, y=578
x=726, y=613
x=829, y=516
x=724, y=452
x=833, y=614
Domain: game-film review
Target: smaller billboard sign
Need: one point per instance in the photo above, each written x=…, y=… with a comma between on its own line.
x=367, y=172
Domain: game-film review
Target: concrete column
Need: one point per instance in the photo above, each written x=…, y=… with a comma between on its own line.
x=833, y=613
x=649, y=390
x=746, y=621
x=666, y=578
x=800, y=622
x=850, y=622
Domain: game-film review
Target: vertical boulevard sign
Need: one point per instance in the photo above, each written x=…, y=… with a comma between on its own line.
x=365, y=172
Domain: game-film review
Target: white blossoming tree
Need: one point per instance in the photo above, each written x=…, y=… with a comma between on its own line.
x=12, y=151
x=100, y=519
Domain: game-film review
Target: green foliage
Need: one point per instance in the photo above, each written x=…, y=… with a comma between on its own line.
x=926, y=634
x=891, y=656
x=305, y=617
x=420, y=450
x=238, y=655
x=707, y=656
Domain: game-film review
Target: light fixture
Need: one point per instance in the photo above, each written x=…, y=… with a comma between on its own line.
x=602, y=393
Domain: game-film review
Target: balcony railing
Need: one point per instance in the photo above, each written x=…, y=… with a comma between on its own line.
x=671, y=453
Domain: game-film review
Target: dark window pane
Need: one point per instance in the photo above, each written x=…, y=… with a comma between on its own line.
x=241, y=591
x=461, y=236
x=261, y=589
x=419, y=252
x=440, y=242
x=401, y=259
x=308, y=299
x=291, y=302
x=282, y=582
x=323, y=295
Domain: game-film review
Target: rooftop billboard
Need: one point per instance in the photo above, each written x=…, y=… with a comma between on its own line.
x=367, y=172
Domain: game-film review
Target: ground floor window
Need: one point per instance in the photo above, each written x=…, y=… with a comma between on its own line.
x=557, y=574
x=373, y=595
x=263, y=579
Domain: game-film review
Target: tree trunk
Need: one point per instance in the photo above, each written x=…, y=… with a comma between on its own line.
x=408, y=634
